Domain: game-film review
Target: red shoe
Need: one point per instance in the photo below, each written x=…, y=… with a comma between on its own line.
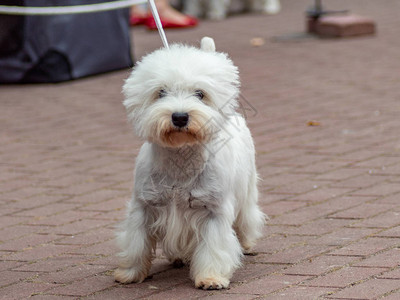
x=190, y=22
x=137, y=20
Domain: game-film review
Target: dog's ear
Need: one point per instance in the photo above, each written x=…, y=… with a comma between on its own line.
x=207, y=44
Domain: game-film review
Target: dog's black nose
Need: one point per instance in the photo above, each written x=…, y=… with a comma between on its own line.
x=180, y=119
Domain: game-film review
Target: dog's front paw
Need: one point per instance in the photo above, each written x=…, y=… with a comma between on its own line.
x=212, y=283
x=123, y=275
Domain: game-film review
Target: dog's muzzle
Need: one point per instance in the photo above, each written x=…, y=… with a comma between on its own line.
x=180, y=119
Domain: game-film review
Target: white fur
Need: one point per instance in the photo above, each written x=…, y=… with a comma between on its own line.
x=195, y=190
x=219, y=9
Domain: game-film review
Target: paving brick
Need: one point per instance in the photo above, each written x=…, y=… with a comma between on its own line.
x=105, y=248
x=362, y=211
x=302, y=293
x=120, y=293
x=319, y=265
x=250, y=271
x=51, y=297
x=87, y=238
x=98, y=196
x=24, y=290
x=370, y=289
x=279, y=242
x=74, y=272
x=181, y=292
x=339, y=174
x=267, y=197
x=7, y=221
x=281, y=207
x=341, y=203
x=9, y=277
x=46, y=210
x=305, y=214
x=14, y=232
x=384, y=220
x=392, y=232
x=39, y=252
x=275, y=283
x=394, y=274
x=77, y=227
x=295, y=187
x=113, y=217
x=294, y=254
x=284, y=179
x=343, y=236
x=52, y=264
x=9, y=265
x=320, y=167
x=318, y=227
x=27, y=242
x=25, y=192
x=227, y=296
x=344, y=277
x=360, y=155
x=359, y=182
x=393, y=200
x=380, y=190
x=322, y=194
x=366, y=247
x=66, y=217
x=36, y=201
x=69, y=180
x=393, y=296
x=109, y=205
x=389, y=258
x=379, y=162
x=392, y=171
x=84, y=286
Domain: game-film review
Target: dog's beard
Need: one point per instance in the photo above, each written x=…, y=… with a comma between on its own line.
x=171, y=136
x=197, y=131
x=179, y=138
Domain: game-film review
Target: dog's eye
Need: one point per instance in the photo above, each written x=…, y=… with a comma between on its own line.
x=199, y=94
x=162, y=93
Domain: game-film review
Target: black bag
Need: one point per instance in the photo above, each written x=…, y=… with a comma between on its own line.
x=62, y=47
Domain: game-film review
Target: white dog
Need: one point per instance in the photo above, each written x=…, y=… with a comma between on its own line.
x=195, y=190
x=218, y=9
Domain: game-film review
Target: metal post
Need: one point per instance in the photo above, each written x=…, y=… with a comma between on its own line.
x=317, y=11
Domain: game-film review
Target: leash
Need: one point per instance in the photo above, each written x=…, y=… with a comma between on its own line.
x=156, y=17
x=86, y=8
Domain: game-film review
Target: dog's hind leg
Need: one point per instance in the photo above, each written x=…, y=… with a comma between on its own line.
x=250, y=220
x=136, y=245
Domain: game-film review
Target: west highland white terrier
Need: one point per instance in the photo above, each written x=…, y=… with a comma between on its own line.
x=219, y=9
x=195, y=190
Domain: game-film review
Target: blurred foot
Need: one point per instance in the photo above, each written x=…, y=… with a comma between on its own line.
x=138, y=16
x=170, y=17
x=272, y=7
x=169, y=23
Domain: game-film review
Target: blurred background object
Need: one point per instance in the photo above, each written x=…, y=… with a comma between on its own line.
x=62, y=47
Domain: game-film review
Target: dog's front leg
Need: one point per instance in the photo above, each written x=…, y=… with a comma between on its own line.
x=217, y=255
x=136, y=245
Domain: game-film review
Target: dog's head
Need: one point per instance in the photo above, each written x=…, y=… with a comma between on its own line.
x=181, y=95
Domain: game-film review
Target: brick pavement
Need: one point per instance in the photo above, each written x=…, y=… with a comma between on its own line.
x=332, y=191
